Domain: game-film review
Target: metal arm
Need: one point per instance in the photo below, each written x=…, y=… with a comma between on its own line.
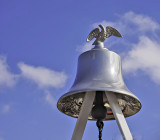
x=122, y=124
x=83, y=116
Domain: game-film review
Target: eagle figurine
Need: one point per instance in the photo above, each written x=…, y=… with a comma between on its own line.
x=101, y=36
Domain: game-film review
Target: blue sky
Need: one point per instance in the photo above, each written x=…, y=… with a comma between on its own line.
x=40, y=42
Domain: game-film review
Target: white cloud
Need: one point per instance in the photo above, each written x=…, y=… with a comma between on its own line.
x=6, y=108
x=83, y=48
x=43, y=77
x=144, y=56
x=144, y=23
x=131, y=23
x=50, y=99
x=6, y=77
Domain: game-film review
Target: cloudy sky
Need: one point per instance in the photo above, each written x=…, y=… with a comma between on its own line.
x=40, y=42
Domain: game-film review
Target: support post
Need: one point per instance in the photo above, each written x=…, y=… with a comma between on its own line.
x=122, y=124
x=83, y=115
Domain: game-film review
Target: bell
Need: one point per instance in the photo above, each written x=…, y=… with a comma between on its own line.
x=99, y=70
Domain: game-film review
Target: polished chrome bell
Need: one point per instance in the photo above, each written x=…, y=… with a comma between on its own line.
x=99, y=92
x=99, y=70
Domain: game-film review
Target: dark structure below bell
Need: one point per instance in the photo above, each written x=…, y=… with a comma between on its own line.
x=99, y=111
x=99, y=92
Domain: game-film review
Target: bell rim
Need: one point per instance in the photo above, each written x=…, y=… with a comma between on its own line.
x=124, y=92
x=70, y=93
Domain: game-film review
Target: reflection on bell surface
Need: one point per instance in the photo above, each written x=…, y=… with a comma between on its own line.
x=99, y=70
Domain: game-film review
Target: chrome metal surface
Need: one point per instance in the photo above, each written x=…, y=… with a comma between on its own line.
x=99, y=70
x=101, y=36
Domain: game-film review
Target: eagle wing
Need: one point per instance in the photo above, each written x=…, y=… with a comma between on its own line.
x=112, y=31
x=93, y=34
